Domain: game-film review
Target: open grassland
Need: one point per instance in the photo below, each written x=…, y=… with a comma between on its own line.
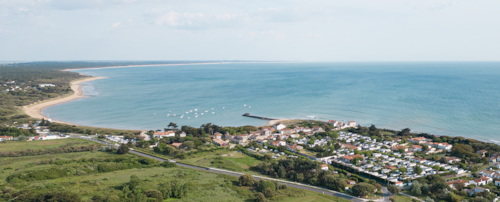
x=403, y=198
x=225, y=159
x=209, y=186
x=307, y=152
x=10, y=165
x=42, y=144
x=206, y=186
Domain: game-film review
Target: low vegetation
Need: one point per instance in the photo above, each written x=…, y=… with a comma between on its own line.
x=109, y=176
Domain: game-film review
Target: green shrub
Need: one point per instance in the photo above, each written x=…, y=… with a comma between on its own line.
x=167, y=164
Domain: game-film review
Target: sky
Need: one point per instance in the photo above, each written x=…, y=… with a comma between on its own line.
x=285, y=30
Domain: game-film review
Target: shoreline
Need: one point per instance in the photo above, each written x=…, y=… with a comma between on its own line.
x=35, y=110
x=169, y=64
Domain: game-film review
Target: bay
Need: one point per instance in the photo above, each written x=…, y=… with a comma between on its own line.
x=443, y=98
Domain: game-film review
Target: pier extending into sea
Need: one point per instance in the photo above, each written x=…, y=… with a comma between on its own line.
x=258, y=117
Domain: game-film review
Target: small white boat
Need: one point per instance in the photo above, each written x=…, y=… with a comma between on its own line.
x=223, y=108
x=196, y=116
x=174, y=114
x=245, y=105
x=206, y=111
x=213, y=112
x=189, y=117
x=212, y=108
x=154, y=113
x=249, y=107
x=190, y=110
x=195, y=109
x=187, y=112
x=201, y=113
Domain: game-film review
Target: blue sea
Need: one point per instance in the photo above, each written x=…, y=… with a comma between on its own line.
x=443, y=98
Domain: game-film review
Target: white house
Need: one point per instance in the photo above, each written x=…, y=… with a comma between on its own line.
x=46, y=85
x=161, y=135
x=279, y=126
x=416, y=148
x=278, y=143
x=352, y=124
x=481, y=181
x=50, y=137
x=4, y=138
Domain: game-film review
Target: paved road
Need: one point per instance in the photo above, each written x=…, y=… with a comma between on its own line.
x=304, y=187
x=386, y=194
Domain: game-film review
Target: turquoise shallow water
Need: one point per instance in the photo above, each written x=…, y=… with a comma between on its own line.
x=444, y=98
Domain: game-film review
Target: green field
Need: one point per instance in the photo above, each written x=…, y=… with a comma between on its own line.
x=42, y=144
x=307, y=152
x=224, y=159
x=207, y=186
x=403, y=198
x=10, y=165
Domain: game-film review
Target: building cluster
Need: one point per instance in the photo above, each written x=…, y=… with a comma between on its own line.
x=46, y=85
x=270, y=135
x=339, y=125
x=42, y=130
x=485, y=177
x=11, y=86
x=48, y=137
x=117, y=138
x=392, y=160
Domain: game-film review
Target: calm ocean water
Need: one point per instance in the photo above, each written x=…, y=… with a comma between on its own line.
x=443, y=98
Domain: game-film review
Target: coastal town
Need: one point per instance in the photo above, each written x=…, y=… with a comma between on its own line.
x=391, y=161
x=339, y=148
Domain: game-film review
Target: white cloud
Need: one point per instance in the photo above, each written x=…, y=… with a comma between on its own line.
x=116, y=24
x=280, y=15
x=194, y=20
x=272, y=34
x=313, y=35
x=23, y=10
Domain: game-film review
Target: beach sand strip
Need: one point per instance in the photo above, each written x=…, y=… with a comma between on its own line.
x=35, y=110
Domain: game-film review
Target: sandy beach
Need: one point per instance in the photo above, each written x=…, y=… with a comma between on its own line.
x=35, y=110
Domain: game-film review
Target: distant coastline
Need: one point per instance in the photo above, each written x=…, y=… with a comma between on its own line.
x=35, y=110
x=168, y=64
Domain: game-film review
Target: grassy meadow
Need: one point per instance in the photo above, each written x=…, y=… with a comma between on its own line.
x=42, y=144
x=207, y=186
x=224, y=159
